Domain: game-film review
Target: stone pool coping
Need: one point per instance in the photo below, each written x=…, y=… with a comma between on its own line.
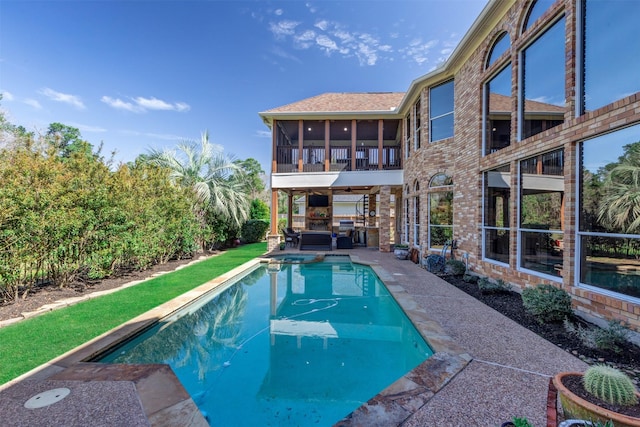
x=163, y=401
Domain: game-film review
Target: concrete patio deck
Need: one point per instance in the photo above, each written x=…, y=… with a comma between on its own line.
x=486, y=369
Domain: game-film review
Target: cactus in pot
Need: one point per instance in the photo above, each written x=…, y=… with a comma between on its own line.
x=610, y=385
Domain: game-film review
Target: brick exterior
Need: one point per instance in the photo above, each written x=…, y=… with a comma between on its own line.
x=461, y=157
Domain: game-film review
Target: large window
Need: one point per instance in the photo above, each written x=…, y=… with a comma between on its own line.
x=407, y=218
x=542, y=213
x=440, y=211
x=441, y=111
x=542, y=97
x=497, y=111
x=407, y=136
x=416, y=215
x=611, y=54
x=417, y=111
x=608, y=244
x=497, y=194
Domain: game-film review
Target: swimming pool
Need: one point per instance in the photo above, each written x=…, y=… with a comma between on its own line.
x=288, y=344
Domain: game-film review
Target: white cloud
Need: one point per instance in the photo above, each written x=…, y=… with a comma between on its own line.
x=33, y=103
x=119, y=104
x=323, y=25
x=305, y=40
x=63, y=97
x=326, y=43
x=283, y=28
x=263, y=134
x=141, y=105
x=7, y=96
x=278, y=12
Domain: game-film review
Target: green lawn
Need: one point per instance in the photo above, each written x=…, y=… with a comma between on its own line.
x=32, y=342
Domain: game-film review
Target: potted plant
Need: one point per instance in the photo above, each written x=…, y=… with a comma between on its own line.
x=401, y=251
x=602, y=393
x=282, y=246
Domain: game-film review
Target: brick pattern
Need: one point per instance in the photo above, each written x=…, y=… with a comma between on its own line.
x=461, y=158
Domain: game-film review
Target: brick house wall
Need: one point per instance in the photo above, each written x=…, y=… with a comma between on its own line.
x=461, y=157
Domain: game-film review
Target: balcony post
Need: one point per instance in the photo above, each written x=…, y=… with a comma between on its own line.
x=274, y=148
x=300, y=144
x=380, y=142
x=327, y=136
x=354, y=137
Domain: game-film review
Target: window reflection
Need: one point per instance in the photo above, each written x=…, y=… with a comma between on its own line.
x=497, y=192
x=609, y=62
x=542, y=213
x=609, y=228
x=440, y=210
x=497, y=111
x=500, y=46
x=543, y=94
x=441, y=111
x=538, y=8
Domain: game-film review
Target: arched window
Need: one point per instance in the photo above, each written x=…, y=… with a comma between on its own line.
x=407, y=217
x=416, y=213
x=440, y=210
x=538, y=8
x=500, y=46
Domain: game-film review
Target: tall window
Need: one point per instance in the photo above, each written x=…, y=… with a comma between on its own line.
x=417, y=110
x=542, y=97
x=416, y=214
x=497, y=111
x=441, y=111
x=608, y=243
x=497, y=194
x=440, y=210
x=407, y=136
x=407, y=218
x=611, y=57
x=542, y=213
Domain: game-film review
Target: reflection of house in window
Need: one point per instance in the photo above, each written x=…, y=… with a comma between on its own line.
x=498, y=122
x=539, y=117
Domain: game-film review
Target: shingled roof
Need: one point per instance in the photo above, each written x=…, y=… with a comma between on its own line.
x=343, y=102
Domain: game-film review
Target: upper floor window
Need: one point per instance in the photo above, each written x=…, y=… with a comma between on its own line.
x=500, y=46
x=542, y=96
x=441, y=111
x=538, y=8
x=417, y=110
x=610, y=57
x=407, y=135
x=497, y=111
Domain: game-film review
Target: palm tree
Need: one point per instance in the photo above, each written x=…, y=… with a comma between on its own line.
x=203, y=167
x=620, y=206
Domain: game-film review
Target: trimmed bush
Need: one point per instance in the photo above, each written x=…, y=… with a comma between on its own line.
x=486, y=286
x=455, y=267
x=610, y=384
x=613, y=337
x=254, y=230
x=547, y=303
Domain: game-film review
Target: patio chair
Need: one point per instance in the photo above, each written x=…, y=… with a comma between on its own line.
x=291, y=236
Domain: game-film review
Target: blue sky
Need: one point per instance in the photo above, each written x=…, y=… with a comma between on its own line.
x=135, y=75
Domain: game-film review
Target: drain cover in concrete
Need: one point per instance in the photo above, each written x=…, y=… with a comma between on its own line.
x=47, y=398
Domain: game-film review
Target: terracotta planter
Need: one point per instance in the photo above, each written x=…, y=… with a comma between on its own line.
x=576, y=407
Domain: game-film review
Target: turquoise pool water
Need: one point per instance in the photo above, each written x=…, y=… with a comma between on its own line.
x=288, y=344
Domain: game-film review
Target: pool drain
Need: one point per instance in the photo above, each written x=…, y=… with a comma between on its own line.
x=47, y=398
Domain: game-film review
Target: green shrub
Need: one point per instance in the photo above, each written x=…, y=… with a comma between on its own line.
x=259, y=210
x=486, y=286
x=455, y=267
x=547, y=303
x=470, y=278
x=254, y=230
x=613, y=337
x=610, y=384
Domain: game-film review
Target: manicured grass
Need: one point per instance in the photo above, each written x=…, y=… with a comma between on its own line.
x=32, y=342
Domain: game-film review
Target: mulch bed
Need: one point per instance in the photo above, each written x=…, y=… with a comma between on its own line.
x=510, y=305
